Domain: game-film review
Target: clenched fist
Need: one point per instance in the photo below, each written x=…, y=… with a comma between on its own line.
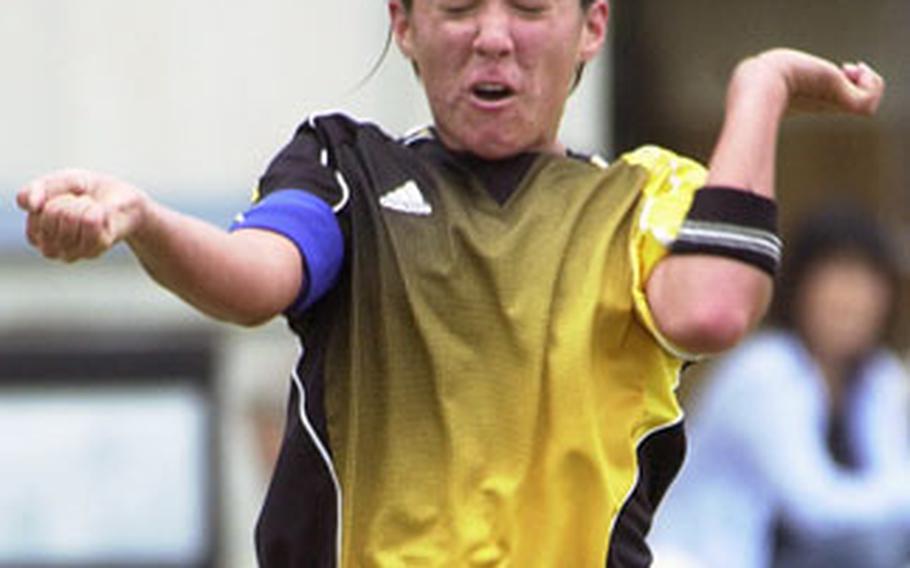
x=76, y=214
x=809, y=83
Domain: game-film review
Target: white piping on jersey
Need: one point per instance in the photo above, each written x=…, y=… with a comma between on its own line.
x=417, y=134
x=675, y=181
x=662, y=235
x=637, y=478
x=599, y=161
x=311, y=119
x=345, y=193
x=324, y=160
x=326, y=458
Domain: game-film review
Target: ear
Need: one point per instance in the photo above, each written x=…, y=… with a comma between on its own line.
x=595, y=32
x=401, y=27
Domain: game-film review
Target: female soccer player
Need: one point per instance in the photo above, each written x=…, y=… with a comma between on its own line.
x=491, y=325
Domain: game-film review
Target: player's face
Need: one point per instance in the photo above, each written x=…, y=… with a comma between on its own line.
x=497, y=73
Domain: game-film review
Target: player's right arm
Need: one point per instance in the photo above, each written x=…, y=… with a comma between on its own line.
x=247, y=276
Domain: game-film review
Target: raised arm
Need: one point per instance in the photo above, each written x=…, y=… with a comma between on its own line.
x=245, y=277
x=706, y=303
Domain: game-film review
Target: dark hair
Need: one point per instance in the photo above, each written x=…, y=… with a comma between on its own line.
x=837, y=231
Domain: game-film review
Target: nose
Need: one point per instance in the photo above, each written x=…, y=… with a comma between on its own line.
x=493, y=38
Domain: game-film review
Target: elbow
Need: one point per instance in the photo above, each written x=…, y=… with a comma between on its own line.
x=250, y=320
x=248, y=316
x=721, y=330
x=707, y=305
x=708, y=327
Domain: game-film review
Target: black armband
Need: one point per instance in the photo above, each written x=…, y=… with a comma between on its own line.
x=733, y=223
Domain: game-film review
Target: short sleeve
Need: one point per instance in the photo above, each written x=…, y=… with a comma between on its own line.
x=666, y=196
x=306, y=163
x=303, y=197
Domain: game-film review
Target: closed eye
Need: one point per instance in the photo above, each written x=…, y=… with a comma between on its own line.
x=457, y=7
x=531, y=7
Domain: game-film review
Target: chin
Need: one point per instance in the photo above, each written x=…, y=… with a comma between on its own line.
x=495, y=152
x=494, y=137
x=492, y=147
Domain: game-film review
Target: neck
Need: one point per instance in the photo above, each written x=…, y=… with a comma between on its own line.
x=493, y=152
x=835, y=371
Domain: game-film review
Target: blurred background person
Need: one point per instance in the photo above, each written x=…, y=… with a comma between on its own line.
x=799, y=442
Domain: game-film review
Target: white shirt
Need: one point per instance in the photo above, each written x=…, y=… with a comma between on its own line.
x=758, y=453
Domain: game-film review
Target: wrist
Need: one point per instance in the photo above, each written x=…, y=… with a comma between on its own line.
x=758, y=85
x=141, y=216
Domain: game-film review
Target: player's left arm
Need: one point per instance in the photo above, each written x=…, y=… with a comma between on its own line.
x=705, y=303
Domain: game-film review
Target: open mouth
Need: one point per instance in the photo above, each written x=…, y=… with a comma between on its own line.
x=492, y=92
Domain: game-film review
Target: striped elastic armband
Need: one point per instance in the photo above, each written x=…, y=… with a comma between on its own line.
x=733, y=223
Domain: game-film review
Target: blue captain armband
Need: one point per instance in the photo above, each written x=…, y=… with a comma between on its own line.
x=310, y=224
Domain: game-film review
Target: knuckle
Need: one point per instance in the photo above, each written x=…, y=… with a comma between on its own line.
x=93, y=225
x=47, y=225
x=93, y=221
x=57, y=206
x=68, y=215
x=50, y=208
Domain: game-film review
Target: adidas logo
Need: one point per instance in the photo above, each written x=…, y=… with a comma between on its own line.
x=406, y=198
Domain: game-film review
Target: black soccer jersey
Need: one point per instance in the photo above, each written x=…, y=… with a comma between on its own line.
x=481, y=382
